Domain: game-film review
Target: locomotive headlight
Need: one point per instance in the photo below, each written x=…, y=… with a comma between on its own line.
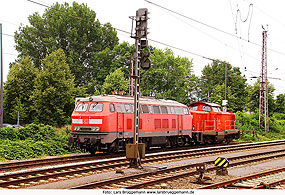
x=96, y=128
x=76, y=128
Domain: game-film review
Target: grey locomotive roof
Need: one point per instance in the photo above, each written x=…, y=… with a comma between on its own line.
x=207, y=103
x=130, y=99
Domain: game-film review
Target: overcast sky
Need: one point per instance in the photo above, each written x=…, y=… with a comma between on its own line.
x=184, y=33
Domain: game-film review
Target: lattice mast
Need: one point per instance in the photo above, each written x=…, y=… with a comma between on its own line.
x=263, y=96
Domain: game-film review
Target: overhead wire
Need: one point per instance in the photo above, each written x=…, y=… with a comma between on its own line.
x=241, y=55
x=210, y=26
x=165, y=44
x=245, y=20
x=124, y=31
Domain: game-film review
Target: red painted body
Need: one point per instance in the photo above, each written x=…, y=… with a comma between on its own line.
x=211, y=124
x=106, y=123
x=162, y=122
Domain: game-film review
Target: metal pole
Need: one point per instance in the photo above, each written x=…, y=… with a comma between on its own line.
x=1, y=54
x=263, y=99
x=266, y=85
x=135, y=151
x=137, y=93
x=131, y=88
x=226, y=76
x=136, y=162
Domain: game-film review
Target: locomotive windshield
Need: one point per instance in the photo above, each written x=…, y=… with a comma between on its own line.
x=96, y=107
x=216, y=109
x=82, y=107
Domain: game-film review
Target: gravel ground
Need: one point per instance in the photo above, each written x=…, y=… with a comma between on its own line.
x=183, y=183
x=189, y=182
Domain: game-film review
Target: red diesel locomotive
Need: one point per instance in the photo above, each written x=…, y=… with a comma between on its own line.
x=211, y=125
x=106, y=123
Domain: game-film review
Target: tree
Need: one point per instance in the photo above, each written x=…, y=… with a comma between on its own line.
x=54, y=91
x=115, y=82
x=254, y=94
x=169, y=77
x=280, y=103
x=213, y=85
x=108, y=61
x=74, y=29
x=18, y=89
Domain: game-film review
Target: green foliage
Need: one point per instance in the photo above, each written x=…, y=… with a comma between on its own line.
x=248, y=122
x=115, y=81
x=18, y=89
x=253, y=97
x=169, y=77
x=54, y=91
x=213, y=85
x=74, y=29
x=280, y=103
x=42, y=96
x=32, y=141
x=9, y=133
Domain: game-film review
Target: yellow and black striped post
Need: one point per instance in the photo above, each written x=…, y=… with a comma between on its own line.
x=222, y=164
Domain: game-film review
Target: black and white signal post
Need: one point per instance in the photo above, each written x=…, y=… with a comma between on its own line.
x=136, y=151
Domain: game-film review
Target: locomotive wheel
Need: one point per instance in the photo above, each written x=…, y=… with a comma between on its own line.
x=208, y=140
x=180, y=141
x=92, y=149
x=169, y=143
x=228, y=139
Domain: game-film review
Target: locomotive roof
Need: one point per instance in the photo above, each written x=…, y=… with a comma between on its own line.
x=207, y=103
x=130, y=100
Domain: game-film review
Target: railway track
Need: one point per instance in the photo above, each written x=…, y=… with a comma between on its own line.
x=264, y=180
x=150, y=179
x=28, y=164
x=76, y=158
x=15, y=180
x=25, y=164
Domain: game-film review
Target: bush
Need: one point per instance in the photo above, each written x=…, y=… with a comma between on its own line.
x=251, y=121
x=37, y=132
x=32, y=141
x=247, y=121
x=9, y=133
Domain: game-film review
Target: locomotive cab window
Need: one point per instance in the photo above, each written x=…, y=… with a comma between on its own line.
x=186, y=111
x=145, y=109
x=150, y=108
x=163, y=110
x=120, y=108
x=206, y=108
x=82, y=107
x=171, y=110
x=194, y=108
x=129, y=108
x=156, y=110
x=178, y=110
x=96, y=107
x=112, y=108
x=216, y=109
